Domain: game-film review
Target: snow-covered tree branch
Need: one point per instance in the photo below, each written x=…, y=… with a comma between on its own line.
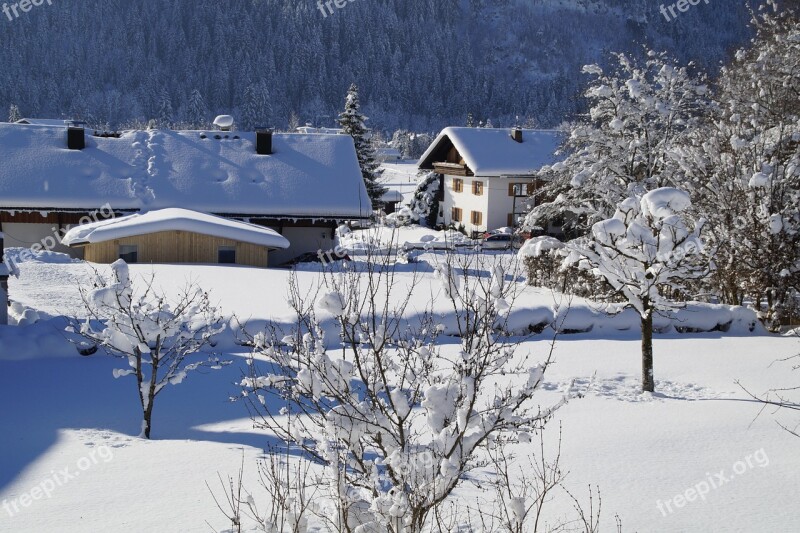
x=155, y=336
x=647, y=251
x=395, y=418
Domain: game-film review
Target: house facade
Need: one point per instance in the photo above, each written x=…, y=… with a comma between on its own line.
x=302, y=186
x=489, y=175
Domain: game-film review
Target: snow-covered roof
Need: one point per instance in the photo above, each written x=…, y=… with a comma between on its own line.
x=392, y=195
x=314, y=176
x=326, y=131
x=43, y=121
x=492, y=152
x=173, y=219
x=388, y=153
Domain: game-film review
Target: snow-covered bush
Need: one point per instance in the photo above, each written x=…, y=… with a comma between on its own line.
x=646, y=252
x=394, y=418
x=543, y=258
x=153, y=335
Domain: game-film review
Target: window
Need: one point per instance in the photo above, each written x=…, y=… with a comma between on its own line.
x=226, y=255
x=458, y=185
x=456, y=214
x=129, y=253
x=476, y=218
x=519, y=189
x=477, y=188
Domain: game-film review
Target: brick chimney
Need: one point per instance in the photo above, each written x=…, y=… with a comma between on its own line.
x=3, y=285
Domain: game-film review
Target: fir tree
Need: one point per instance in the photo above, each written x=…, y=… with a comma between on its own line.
x=352, y=122
x=197, y=111
x=14, y=114
x=165, y=112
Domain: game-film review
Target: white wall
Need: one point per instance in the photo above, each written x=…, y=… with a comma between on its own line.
x=302, y=240
x=495, y=203
x=500, y=204
x=467, y=201
x=27, y=235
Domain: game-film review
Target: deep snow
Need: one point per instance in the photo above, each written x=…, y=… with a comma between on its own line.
x=69, y=412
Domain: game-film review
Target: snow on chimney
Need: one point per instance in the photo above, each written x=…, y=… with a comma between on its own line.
x=224, y=122
x=516, y=134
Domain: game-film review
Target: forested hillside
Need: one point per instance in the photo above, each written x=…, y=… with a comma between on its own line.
x=420, y=64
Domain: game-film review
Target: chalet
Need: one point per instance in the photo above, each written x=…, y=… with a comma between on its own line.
x=489, y=174
x=301, y=186
x=55, y=176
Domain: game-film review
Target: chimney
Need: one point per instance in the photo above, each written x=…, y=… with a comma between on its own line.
x=3, y=286
x=264, y=141
x=516, y=134
x=76, y=135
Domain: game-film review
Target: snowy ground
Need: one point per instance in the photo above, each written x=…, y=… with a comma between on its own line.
x=68, y=430
x=400, y=176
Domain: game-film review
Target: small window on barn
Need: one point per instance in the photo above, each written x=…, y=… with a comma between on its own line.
x=476, y=217
x=456, y=214
x=477, y=188
x=129, y=253
x=458, y=185
x=226, y=255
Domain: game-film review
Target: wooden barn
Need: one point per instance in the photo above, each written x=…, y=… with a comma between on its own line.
x=175, y=236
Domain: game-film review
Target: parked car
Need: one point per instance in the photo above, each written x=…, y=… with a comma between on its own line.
x=498, y=241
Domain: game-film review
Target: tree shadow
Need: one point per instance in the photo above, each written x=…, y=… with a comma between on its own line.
x=44, y=397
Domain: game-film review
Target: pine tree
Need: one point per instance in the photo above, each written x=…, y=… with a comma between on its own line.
x=352, y=122
x=197, y=111
x=165, y=112
x=256, y=109
x=14, y=114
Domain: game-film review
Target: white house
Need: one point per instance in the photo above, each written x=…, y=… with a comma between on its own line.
x=488, y=174
x=302, y=186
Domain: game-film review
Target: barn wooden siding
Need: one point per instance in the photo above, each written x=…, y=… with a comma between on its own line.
x=177, y=247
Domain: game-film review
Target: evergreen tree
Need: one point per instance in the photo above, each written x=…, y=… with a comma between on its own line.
x=165, y=113
x=197, y=111
x=352, y=122
x=256, y=109
x=14, y=114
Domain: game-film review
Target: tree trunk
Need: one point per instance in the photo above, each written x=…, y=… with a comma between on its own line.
x=148, y=415
x=648, y=383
